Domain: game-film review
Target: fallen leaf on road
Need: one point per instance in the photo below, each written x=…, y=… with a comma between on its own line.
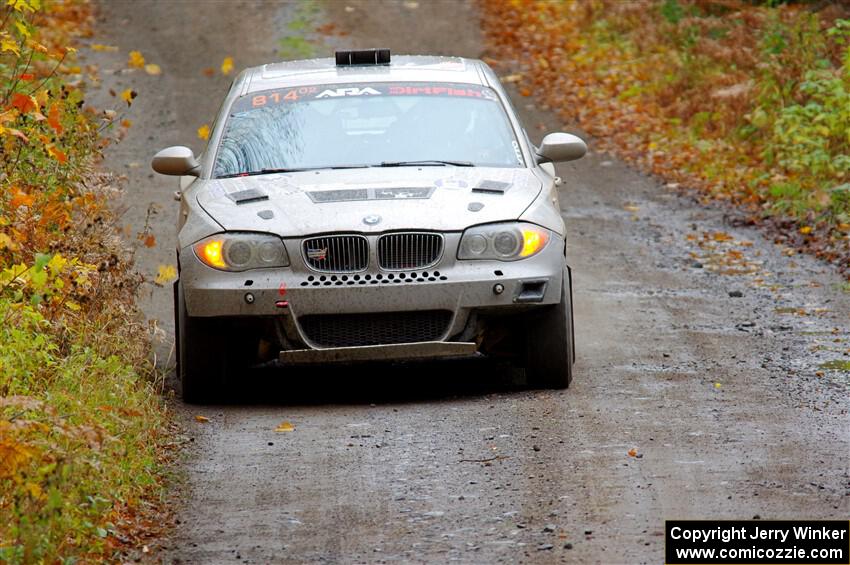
x=136, y=60
x=165, y=274
x=633, y=452
x=128, y=96
x=100, y=47
x=201, y=419
x=717, y=385
x=227, y=66
x=153, y=69
x=150, y=240
x=204, y=132
x=285, y=427
x=209, y=72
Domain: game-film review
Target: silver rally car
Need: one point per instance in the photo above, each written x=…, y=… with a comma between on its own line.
x=368, y=208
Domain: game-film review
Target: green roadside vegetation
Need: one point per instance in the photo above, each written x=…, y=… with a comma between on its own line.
x=747, y=101
x=81, y=421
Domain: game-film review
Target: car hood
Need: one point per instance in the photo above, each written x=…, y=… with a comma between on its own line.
x=369, y=200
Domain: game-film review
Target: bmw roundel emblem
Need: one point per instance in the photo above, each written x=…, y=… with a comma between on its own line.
x=372, y=220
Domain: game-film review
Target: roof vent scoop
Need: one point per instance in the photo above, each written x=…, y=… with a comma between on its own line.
x=348, y=58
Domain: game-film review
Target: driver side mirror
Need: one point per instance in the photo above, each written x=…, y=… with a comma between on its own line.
x=560, y=147
x=177, y=161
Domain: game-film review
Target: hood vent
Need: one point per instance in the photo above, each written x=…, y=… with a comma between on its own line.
x=492, y=187
x=402, y=193
x=247, y=196
x=353, y=194
x=346, y=195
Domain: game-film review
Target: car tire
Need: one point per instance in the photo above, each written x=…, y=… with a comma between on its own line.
x=550, y=342
x=201, y=363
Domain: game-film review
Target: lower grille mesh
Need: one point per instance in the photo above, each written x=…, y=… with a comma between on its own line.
x=353, y=330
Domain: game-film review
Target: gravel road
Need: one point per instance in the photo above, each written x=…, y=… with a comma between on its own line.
x=712, y=377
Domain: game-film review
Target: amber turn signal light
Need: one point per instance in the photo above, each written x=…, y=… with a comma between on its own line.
x=533, y=241
x=210, y=252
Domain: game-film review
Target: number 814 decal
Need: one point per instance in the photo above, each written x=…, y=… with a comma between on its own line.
x=277, y=96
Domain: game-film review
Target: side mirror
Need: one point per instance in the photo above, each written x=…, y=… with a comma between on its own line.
x=560, y=147
x=177, y=160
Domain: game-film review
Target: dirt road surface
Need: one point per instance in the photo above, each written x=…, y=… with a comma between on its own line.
x=713, y=378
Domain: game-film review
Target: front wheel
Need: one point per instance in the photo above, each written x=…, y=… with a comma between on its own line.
x=549, y=349
x=201, y=363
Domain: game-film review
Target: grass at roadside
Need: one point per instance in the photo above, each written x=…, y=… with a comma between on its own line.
x=81, y=424
x=747, y=101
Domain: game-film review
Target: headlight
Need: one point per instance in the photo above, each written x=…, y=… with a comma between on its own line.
x=503, y=242
x=242, y=251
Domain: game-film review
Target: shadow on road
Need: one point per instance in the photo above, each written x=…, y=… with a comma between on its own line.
x=370, y=383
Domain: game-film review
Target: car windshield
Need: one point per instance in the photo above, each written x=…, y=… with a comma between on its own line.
x=346, y=125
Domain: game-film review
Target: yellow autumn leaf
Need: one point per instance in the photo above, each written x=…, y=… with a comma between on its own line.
x=285, y=427
x=57, y=263
x=136, y=61
x=34, y=490
x=153, y=69
x=6, y=242
x=227, y=65
x=22, y=5
x=805, y=230
x=201, y=419
x=101, y=47
x=128, y=96
x=9, y=44
x=165, y=274
x=22, y=29
x=204, y=132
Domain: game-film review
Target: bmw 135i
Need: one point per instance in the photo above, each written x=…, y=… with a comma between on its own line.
x=368, y=207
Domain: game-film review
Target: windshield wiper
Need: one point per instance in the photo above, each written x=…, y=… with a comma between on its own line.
x=285, y=170
x=425, y=162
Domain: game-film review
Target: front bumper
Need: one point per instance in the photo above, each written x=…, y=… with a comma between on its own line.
x=461, y=287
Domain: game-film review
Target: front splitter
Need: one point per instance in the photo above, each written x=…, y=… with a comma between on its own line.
x=392, y=352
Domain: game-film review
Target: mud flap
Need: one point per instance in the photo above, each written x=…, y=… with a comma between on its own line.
x=175, y=291
x=569, y=281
